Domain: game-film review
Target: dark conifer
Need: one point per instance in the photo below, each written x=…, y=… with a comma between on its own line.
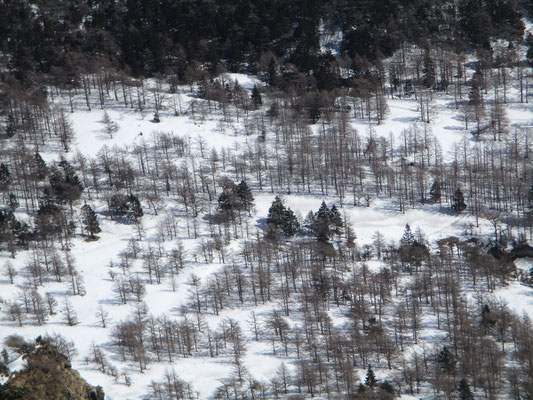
x=276, y=212
x=487, y=320
x=89, y=220
x=5, y=177
x=370, y=379
x=134, y=207
x=118, y=205
x=335, y=220
x=322, y=222
x=446, y=360
x=408, y=239
x=257, y=100
x=464, y=390
x=435, y=191
x=246, y=198
x=283, y=218
x=428, y=71
x=39, y=169
x=11, y=126
x=226, y=203
x=290, y=225
x=458, y=201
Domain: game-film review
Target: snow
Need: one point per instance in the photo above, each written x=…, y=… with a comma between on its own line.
x=518, y=297
x=93, y=258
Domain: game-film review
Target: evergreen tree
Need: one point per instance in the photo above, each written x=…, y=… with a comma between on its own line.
x=226, y=204
x=6, y=220
x=257, y=100
x=446, y=360
x=38, y=167
x=50, y=218
x=309, y=222
x=5, y=177
x=475, y=100
x=428, y=71
x=464, y=390
x=315, y=109
x=335, y=220
x=322, y=223
x=458, y=201
x=412, y=251
x=435, y=191
x=276, y=212
x=134, y=207
x=118, y=205
x=272, y=72
x=66, y=185
x=13, y=202
x=11, y=126
x=90, y=221
x=487, y=320
x=283, y=218
x=408, y=239
x=246, y=198
x=290, y=225
x=370, y=379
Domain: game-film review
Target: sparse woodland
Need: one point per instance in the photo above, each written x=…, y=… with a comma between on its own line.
x=347, y=320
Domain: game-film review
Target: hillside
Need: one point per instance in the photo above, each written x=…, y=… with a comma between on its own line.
x=233, y=233
x=47, y=374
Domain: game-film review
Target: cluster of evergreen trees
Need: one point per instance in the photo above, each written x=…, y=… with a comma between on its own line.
x=51, y=40
x=282, y=218
x=325, y=222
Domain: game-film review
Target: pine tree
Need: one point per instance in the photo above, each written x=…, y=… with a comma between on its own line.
x=13, y=201
x=39, y=169
x=446, y=360
x=134, y=207
x=245, y=195
x=475, y=100
x=458, y=201
x=90, y=221
x=370, y=379
x=276, y=212
x=487, y=320
x=5, y=177
x=464, y=390
x=66, y=185
x=335, y=220
x=11, y=126
x=118, y=205
x=225, y=202
x=322, y=223
x=435, y=191
x=408, y=239
x=257, y=100
x=428, y=71
x=309, y=222
x=290, y=225
x=272, y=74
x=283, y=218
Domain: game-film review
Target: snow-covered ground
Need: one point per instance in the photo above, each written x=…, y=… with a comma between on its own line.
x=93, y=258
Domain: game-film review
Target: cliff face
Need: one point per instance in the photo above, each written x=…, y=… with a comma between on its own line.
x=49, y=376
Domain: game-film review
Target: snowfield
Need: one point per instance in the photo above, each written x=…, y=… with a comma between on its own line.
x=98, y=262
